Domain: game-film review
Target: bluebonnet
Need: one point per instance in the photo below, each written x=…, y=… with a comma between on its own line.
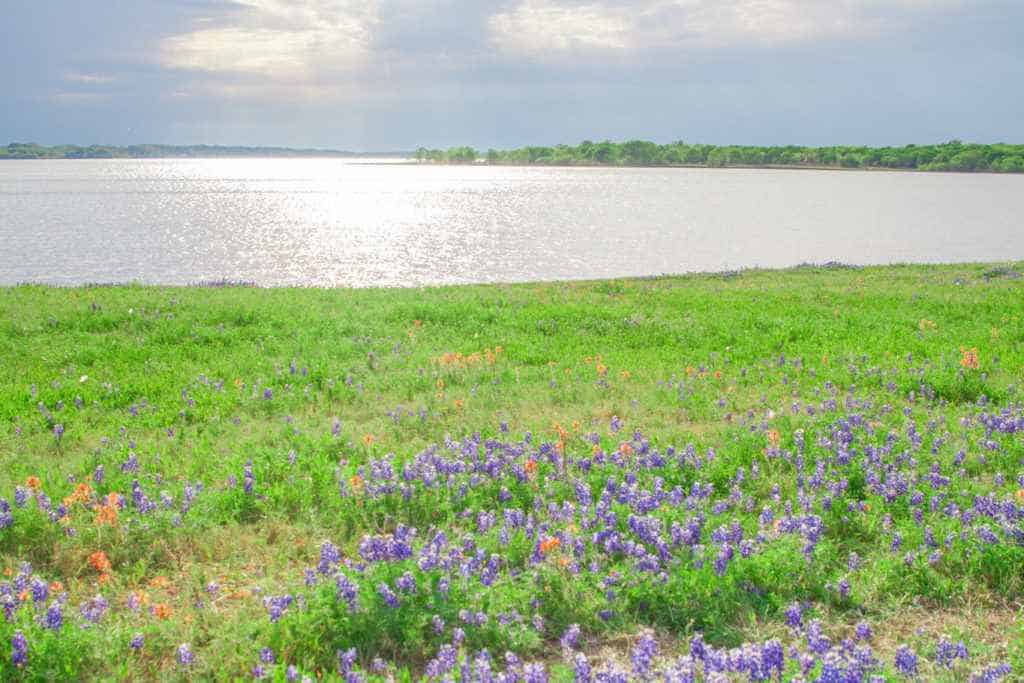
x=19, y=650
x=185, y=655
x=906, y=661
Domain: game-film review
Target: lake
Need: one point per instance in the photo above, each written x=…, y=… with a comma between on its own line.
x=326, y=222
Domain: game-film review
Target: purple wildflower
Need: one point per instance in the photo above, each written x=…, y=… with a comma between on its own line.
x=991, y=674
x=185, y=655
x=6, y=518
x=581, y=668
x=249, y=479
x=643, y=655
x=571, y=637
x=406, y=583
x=946, y=652
x=794, y=615
x=390, y=599
x=94, y=609
x=19, y=650
x=535, y=673
x=906, y=661
x=346, y=591
x=54, y=617
x=137, y=642
x=346, y=660
x=40, y=590
x=277, y=606
x=329, y=557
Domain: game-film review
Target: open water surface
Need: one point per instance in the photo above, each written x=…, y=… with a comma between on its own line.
x=326, y=222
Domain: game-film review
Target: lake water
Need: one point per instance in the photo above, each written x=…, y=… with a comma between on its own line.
x=330, y=222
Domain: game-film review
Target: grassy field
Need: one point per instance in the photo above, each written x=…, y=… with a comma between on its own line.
x=812, y=473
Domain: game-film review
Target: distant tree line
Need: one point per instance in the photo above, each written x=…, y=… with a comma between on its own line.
x=30, y=150
x=950, y=156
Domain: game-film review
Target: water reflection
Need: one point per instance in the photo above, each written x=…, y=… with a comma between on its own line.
x=328, y=222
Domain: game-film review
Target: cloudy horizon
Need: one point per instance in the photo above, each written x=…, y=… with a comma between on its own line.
x=375, y=75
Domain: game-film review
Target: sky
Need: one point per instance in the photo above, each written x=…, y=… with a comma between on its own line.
x=378, y=75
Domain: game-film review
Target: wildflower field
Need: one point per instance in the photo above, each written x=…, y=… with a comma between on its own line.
x=811, y=474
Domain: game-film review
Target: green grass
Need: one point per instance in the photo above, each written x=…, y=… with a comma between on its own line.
x=178, y=377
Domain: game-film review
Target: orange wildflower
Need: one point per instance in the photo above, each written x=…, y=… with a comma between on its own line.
x=83, y=492
x=368, y=439
x=625, y=448
x=531, y=467
x=159, y=582
x=23, y=595
x=625, y=374
x=969, y=358
x=549, y=544
x=1020, y=494
x=57, y=587
x=34, y=483
x=774, y=438
x=105, y=578
x=162, y=611
x=458, y=404
x=356, y=482
x=98, y=560
x=106, y=514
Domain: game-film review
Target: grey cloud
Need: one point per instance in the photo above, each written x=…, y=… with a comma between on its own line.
x=433, y=73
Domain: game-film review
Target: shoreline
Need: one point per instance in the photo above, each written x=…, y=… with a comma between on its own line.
x=384, y=160
x=1010, y=269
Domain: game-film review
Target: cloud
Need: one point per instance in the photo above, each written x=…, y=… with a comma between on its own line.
x=88, y=79
x=554, y=28
x=279, y=41
x=539, y=27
